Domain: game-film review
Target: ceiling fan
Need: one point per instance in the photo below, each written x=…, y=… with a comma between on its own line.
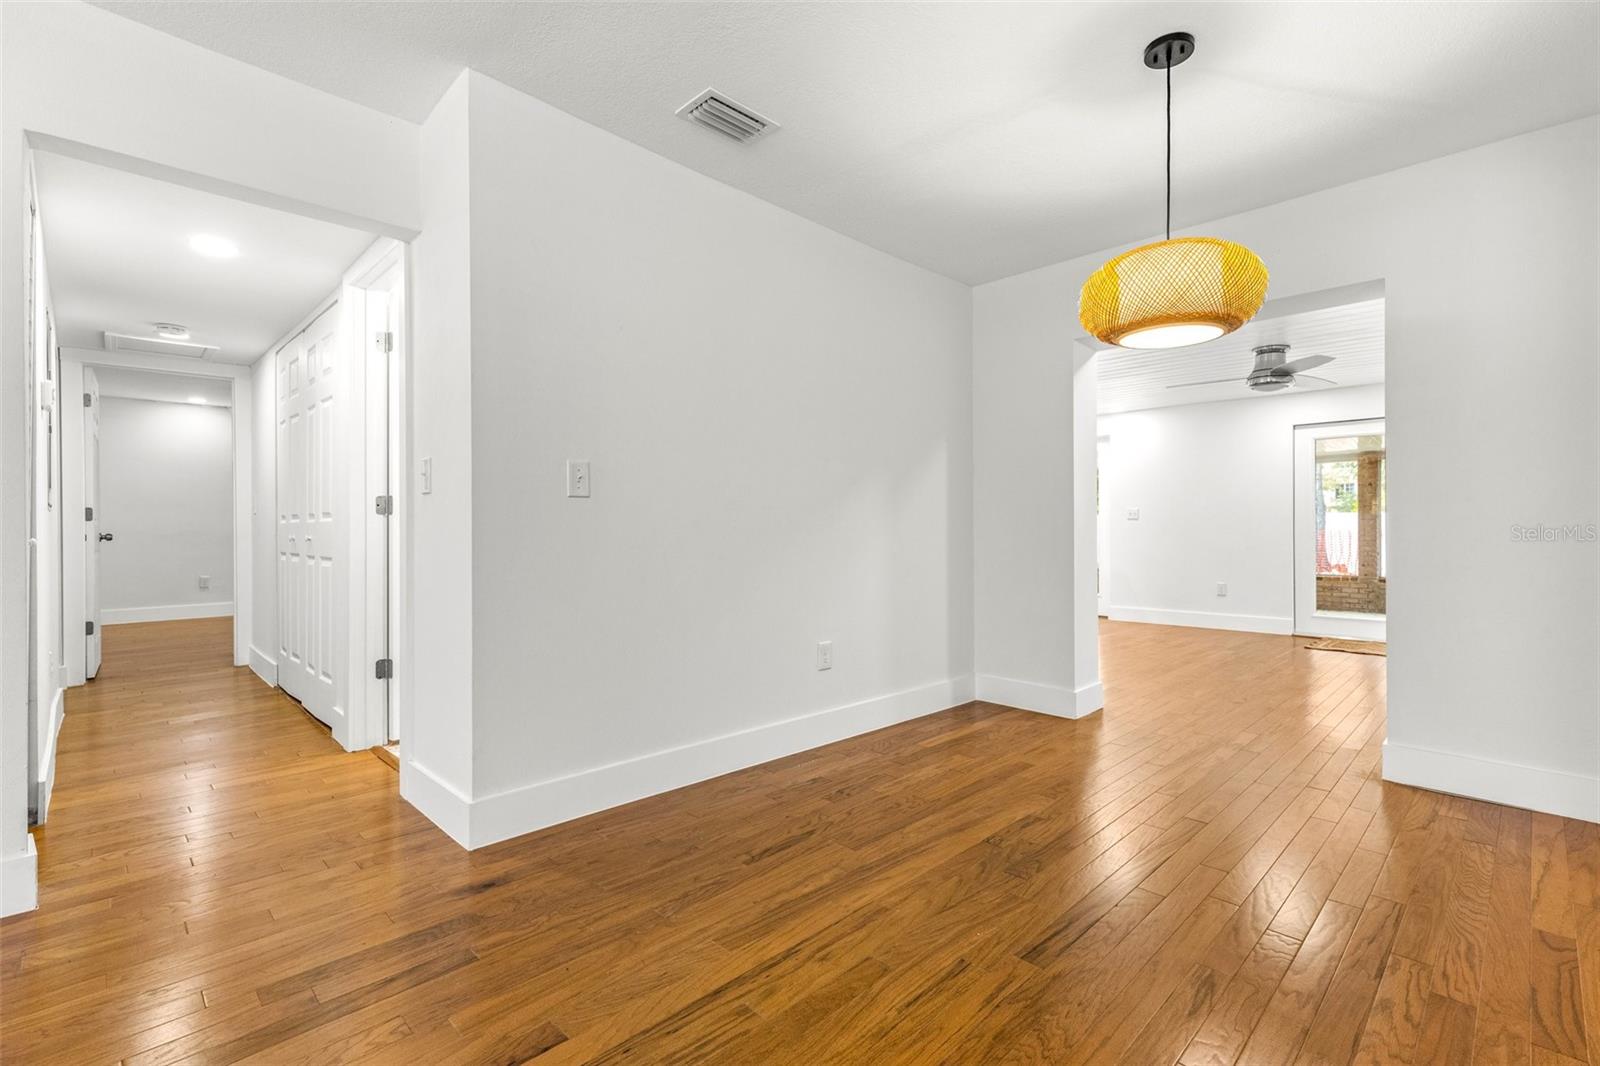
x=1273, y=371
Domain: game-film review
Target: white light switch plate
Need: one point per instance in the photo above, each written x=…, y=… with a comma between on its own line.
x=577, y=479
x=427, y=476
x=1133, y=514
x=825, y=655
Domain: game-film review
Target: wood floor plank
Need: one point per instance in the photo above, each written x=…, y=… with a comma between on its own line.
x=1212, y=872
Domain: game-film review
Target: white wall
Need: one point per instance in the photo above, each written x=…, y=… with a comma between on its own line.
x=166, y=494
x=436, y=726
x=778, y=420
x=1489, y=261
x=1214, y=486
x=263, y=518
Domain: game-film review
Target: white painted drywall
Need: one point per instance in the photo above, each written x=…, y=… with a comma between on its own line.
x=263, y=519
x=166, y=494
x=437, y=709
x=1213, y=485
x=778, y=422
x=1489, y=259
x=81, y=75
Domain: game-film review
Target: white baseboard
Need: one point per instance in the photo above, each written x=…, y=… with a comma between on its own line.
x=47, y=780
x=19, y=881
x=438, y=801
x=486, y=820
x=1057, y=700
x=264, y=666
x=170, y=612
x=1529, y=787
x=1238, y=623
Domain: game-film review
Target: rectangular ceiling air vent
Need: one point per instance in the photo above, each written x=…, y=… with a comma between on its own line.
x=127, y=342
x=715, y=111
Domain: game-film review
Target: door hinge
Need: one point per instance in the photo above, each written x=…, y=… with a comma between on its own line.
x=384, y=341
x=88, y=629
x=383, y=505
x=88, y=514
x=383, y=669
x=88, y=400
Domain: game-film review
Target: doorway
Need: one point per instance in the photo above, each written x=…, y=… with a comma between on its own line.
x=1341, y=530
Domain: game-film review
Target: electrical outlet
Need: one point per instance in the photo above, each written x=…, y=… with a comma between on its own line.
x=825, y=655
x=1133, y=514
x=577, y=479
x=205, y=581
x=1222, y=588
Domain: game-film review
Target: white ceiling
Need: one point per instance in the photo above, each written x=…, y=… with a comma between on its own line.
x=116, y=245
x=977, y=139
x=1130, y=380
x=129, y=384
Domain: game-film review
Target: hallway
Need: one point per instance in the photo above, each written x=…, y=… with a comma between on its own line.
x=1209, y=869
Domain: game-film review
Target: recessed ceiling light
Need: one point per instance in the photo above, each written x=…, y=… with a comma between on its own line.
x=172, y=331
x=212, y=246
x=201, y=400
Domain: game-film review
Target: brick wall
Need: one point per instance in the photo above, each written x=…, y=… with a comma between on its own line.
x=1352, y=592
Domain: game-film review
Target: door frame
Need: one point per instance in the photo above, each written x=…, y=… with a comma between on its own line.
x=375, y=441
x=1311, y=622
x=74, y=604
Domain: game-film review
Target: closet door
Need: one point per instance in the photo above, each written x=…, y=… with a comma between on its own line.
x=310, y=522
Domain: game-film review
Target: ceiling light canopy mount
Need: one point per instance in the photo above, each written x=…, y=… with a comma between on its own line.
x=1172, y=293
x=1168, y=50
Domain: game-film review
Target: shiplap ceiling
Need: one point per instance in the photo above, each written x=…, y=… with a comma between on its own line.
x=1351, y=333
x=117, y=248
x=127, y=384
x=976, y=139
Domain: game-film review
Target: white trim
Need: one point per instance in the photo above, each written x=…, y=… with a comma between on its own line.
x=264, y=666
x=1529, y=787
x=441, y=803
x=167, y=612
x=19, y=881
x=484, y=821
x=47, y=769
x=1055, y=700
x=1237, y=623
x=75, y=647
x=365, y=446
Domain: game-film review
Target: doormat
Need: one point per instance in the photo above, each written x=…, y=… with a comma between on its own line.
x=1358, y=647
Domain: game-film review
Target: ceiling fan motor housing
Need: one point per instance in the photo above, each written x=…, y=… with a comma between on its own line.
x=1269, y=374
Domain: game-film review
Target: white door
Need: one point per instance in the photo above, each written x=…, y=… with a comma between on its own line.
x=309, y=516
x=1340, y=530
x=91, y=505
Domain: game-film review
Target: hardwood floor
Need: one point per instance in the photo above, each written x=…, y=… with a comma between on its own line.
x=1209, y=872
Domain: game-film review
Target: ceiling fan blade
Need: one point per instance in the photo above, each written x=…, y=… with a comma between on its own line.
x=1214, y=381
x=1294, y=366
x=1298, y=378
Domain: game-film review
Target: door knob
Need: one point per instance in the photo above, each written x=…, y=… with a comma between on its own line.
x=106, y=536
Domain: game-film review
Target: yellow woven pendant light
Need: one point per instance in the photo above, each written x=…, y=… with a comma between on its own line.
x=1173, y=292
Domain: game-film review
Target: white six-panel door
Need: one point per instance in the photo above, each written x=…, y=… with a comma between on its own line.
x=310, y=518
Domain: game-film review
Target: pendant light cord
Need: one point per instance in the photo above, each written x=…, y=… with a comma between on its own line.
x=1169, y=151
